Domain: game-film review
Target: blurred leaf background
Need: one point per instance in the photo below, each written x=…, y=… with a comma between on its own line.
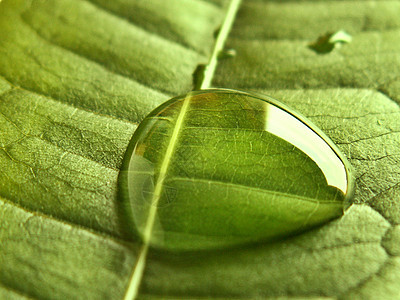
x=76, y=78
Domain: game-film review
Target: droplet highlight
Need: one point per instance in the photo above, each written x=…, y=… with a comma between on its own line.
x=220, y=168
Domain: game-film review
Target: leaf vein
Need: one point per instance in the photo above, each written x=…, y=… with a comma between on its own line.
x=99, y=234
x=102, y=65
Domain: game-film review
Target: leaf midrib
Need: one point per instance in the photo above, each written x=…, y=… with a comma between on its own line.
x=137, y=273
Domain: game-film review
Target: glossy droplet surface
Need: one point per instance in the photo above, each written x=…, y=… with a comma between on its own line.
x=218, y=168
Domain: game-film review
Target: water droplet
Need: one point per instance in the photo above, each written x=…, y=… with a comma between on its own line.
x=227, y=53
x=329, y=41
x=218, y=168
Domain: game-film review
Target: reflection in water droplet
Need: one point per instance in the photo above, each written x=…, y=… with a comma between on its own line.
x=218, y=168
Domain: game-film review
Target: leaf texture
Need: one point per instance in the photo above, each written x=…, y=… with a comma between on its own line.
x=350, y=93
x=347, y=254
x=76, y=77
x=75, y=80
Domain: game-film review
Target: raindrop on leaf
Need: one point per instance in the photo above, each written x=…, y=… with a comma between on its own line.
x=329, y=41
x=220, y=168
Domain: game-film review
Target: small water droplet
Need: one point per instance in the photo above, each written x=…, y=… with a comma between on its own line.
x=227, y=53
x=329, y=41
x=218, y=168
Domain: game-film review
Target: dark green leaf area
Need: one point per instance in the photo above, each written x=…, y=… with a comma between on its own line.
x=91, y=67
x=299, y=20
x=50, y=151
x=121, y=54
x=33, y=242
x=215, y=173
x=366, y=62
x=188, y=23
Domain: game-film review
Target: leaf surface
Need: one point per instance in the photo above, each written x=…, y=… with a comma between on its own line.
x=75, y=80
x=73, y=89
x=346, y=254
x=350, y=93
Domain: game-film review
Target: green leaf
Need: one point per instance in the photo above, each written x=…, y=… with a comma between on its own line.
x=327, y=261
x=72, y=91
x=342, y=93
x=367, y=62
x=44, y=257
x=74, y=86
x=189, y=24
x=308, y=19
x=342, y=258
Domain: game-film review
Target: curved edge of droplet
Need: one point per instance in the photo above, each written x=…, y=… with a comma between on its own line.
x=348, y=169
x=126, y=222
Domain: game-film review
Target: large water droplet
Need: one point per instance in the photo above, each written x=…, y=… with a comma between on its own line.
x=217, y=168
